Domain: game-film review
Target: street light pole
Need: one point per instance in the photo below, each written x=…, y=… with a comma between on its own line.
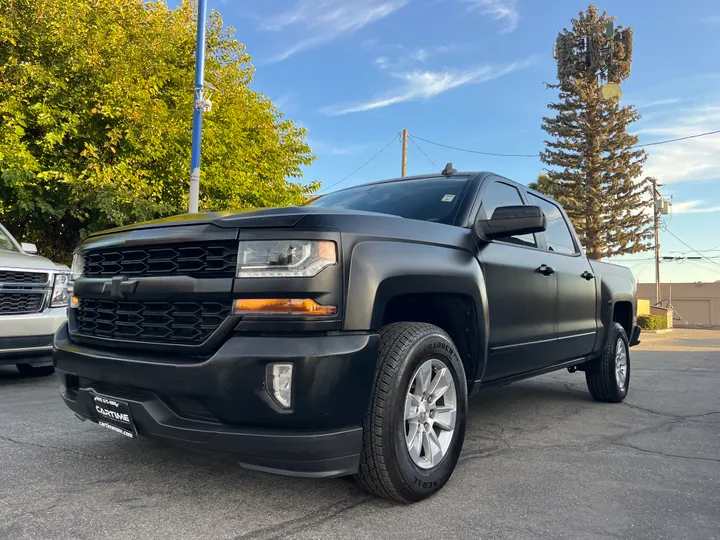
x=199, y=105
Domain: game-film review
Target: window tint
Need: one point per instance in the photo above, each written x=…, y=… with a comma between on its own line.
x=426, y=199
x=557, y=235
x=499, y=194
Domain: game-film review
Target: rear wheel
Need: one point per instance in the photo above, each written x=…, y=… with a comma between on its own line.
x=414, y=431
x=28, y=370
x=608, y=376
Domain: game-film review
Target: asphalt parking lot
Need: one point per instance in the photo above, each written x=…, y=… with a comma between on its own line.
x=541, y=460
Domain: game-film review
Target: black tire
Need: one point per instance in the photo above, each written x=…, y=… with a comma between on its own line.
x=600, y=372
x=28, y=370
x=386, y=468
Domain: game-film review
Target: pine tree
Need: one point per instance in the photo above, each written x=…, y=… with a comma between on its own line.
x=593, y=170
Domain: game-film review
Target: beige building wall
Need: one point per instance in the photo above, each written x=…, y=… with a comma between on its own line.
x=695, y=304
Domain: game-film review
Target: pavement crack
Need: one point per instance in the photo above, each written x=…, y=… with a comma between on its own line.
x=50, y=447
x=666, y=454
x=286, y=528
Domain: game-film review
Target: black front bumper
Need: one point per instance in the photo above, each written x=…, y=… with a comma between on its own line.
x=221, y=404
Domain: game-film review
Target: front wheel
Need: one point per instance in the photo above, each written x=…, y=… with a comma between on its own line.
x=415, y=428
x=608, y=376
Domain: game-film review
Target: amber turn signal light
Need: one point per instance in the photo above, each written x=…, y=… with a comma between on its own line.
x=281, y=306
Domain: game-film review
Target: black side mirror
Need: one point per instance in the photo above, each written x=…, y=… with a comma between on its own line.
x=509, y=221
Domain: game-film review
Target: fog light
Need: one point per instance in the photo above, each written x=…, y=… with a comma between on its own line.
x=279, y=378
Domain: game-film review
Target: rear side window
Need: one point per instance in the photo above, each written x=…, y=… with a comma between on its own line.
x=557, y=236
x=500, y=194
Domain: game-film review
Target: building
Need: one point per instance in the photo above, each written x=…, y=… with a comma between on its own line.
x=693, y=304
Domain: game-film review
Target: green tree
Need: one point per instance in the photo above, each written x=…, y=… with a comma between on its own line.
x=544, y=184
x=593, y=169
x=96, y=100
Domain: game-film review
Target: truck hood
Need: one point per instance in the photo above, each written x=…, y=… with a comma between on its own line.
x=13, y=259
x=264, y=218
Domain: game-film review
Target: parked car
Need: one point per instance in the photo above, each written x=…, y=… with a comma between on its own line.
x=343, y=337
x=33, y=305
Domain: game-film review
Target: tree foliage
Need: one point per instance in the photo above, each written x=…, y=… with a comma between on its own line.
x=96, y=101
x=593, y=169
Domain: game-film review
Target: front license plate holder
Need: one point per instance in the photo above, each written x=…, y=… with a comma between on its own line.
x=114, y=414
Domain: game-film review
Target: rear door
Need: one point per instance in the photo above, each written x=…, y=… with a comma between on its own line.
x=521, y=299
x=576, y=287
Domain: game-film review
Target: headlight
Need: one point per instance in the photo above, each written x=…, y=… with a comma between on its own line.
x=60, y=293
x=78, y=264
x=285, y=258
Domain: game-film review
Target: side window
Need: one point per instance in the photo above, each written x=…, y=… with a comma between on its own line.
x=557, y=236
x=500, y=194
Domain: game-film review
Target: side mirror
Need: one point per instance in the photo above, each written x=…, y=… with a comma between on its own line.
x=30, y=249
x=509, y=221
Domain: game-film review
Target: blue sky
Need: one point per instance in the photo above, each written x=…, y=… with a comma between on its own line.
x=470, y=73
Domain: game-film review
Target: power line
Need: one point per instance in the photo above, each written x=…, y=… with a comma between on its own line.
x=678, y=139
x=395, y=138
x=424, y=154
x=690, y=247
x=537, y=155
x=475, y=151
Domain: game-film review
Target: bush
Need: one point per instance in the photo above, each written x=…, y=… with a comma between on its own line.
x=652, y=322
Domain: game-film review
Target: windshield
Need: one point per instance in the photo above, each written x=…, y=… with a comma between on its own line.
x=5, y=243
x=425, y=199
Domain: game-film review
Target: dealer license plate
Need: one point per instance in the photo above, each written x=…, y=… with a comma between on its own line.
x=114, y=414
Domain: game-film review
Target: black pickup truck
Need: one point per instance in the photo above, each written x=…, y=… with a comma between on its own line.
x=343, y=337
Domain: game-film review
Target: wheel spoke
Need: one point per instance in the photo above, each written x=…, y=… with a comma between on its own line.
x=440, y=383
x=445, y=426
x=411, y=406
x=415, y=441
x=424, y=375
x=434, y=455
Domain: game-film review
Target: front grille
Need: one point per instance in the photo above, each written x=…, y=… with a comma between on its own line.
x=17, y=303
x=188, y=323
x=206, y=260
x=16, y=277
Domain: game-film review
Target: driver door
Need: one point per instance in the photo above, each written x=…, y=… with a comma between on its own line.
x=522, y=301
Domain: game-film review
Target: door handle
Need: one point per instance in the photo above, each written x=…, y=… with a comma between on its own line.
x=546, y=270
x=587, y=275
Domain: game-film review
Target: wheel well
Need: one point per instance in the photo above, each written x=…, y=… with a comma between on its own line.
x=623, y=314
x=454, y=313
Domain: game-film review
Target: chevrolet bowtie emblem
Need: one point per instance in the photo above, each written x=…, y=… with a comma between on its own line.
x=119, y=287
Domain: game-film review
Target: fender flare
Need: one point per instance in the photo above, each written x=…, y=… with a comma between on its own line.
x=381, y=271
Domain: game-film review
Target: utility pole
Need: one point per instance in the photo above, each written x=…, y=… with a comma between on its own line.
x=656, y=223
x=404, y=151
x=200, y=105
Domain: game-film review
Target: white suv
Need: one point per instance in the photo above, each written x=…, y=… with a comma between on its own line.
x=33, y=304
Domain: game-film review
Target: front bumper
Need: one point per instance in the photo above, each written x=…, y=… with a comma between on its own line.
x=29, y=338
x=220, y=404
x=635, y=337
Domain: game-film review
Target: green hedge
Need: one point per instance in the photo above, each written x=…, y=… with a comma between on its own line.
x=652, y=322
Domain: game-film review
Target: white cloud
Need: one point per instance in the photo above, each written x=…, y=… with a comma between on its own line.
x=419, y=85
x=322, y=21
x=693, y=207
x=500, y=10
x=683, y=161
x=658, y=103
x=422, y=54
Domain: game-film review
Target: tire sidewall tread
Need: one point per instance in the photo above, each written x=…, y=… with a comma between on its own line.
x=386, y=468
x=600, y=374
